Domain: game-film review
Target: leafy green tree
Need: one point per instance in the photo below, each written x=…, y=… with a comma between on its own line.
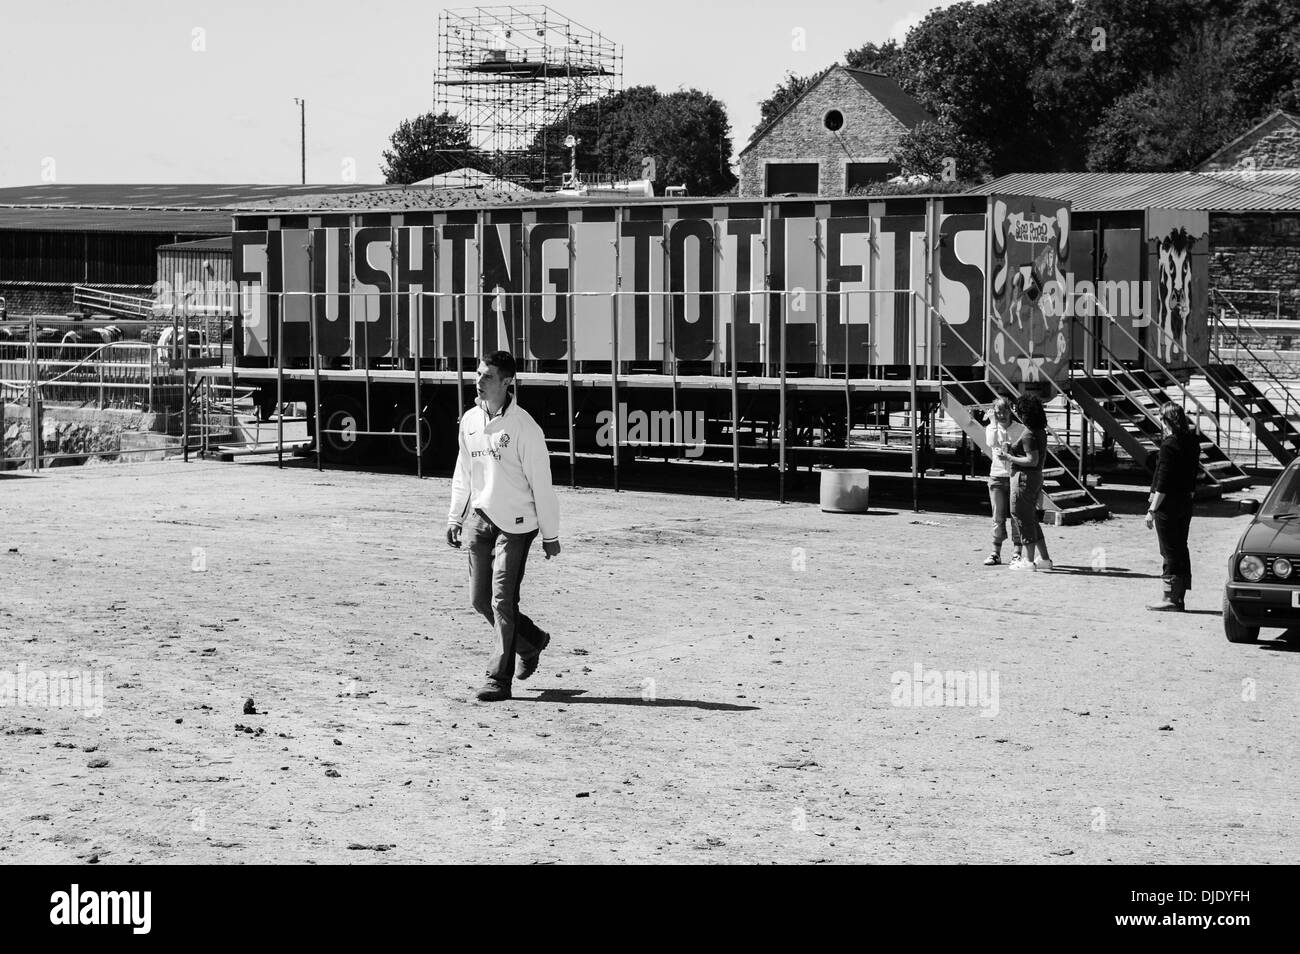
x=1173, y=121
x=884, y=58
x=686, y=133
x=429, y=145
x=971, y=66
x=938, y=150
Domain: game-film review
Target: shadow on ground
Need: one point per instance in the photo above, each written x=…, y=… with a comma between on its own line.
x=579, y=695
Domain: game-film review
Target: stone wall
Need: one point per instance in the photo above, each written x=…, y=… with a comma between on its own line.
x=53, y=298
x=1274, y=146
x=870, y=133
x=29, y=298
x=1260, y=251
x=98, y=435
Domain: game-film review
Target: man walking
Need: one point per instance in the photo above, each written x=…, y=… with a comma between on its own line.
x=501, y=498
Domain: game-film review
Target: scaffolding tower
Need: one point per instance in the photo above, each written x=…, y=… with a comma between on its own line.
x=510, y=74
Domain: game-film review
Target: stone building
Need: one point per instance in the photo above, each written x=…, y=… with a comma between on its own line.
x=840, y=133
x=1271, y=144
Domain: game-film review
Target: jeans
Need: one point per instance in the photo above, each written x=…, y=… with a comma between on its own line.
x=1026, y=489
x=1173, y=521
x=496, y=570
x=1000, y=501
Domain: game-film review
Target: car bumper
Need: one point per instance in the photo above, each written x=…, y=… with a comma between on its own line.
x=1264, y=604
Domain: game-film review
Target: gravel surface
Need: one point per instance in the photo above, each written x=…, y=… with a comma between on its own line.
x=720, y=686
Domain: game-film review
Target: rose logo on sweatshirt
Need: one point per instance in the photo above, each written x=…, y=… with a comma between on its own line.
x=504, y=442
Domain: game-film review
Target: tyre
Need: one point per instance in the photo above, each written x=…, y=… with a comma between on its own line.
x=341, y=418
x=407, y=442
x=1236, y=631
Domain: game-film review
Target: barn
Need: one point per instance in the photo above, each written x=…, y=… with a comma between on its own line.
x=839, y=135
x=64, y=247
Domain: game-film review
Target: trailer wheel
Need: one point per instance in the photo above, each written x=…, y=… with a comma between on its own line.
x=341, y=418
x=407, y=424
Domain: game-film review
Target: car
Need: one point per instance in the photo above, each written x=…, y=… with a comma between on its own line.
x=1263, y=588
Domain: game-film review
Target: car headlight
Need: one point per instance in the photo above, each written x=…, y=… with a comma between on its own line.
x=1281, y=568
x=1251, y=568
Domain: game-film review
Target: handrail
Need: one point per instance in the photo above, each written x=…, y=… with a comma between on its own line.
x=1005, y=381
x=1249, y=325
x=1116, y=364
x=1276, y=354
x=1164, y=370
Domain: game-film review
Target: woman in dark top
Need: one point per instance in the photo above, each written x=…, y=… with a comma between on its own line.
x=1170, y=507
x=1026, y=458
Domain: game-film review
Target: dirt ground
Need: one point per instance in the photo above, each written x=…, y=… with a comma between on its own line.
x=719, y=687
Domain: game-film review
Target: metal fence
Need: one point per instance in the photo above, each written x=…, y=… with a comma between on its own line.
x=57, y=386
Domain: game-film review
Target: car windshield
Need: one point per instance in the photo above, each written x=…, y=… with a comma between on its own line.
x=1284, y=498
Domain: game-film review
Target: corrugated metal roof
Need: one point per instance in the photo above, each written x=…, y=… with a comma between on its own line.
x=32, y=218
x=1121, y=191
x=164, y=196
x=220, y=244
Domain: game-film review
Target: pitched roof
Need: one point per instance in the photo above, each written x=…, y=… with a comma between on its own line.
x=1122, y=191
x=890, y=95
x=883, y=88
x=1271, y=119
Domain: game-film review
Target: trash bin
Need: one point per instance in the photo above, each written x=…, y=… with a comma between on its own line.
x=844, y=490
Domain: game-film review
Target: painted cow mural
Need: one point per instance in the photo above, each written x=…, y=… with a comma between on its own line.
x=1029, y=261
x=1176, y=311
x=1174, y=297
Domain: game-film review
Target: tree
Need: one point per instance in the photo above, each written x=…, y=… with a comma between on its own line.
x=429, y=145
x=885, y=58
x=787, y=91
x=971, y=65
x=686, y=133
x=938, y=150
x=1174, y=120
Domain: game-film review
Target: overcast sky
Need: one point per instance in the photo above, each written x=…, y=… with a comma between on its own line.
x=203, y=90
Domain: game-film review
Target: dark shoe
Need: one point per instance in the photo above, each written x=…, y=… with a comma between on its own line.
x=493, y=692
x=1167, y=607
x=525, y=666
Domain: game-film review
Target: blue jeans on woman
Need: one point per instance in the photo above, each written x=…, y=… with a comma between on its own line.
x=1000, y=501
x=1026, y=490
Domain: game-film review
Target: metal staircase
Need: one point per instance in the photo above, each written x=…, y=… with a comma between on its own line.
x=1126, y=402
x=1065, y=500
x=1272, y=427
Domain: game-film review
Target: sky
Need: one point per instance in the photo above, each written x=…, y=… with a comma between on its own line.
x=202, y=91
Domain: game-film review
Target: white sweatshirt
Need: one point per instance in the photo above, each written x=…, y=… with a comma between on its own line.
x=503, y=469
x=994, y=435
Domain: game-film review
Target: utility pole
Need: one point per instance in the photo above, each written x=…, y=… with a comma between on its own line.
x=302, y=110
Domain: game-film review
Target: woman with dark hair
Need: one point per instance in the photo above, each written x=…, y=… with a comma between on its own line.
x=1169, y=511
x=1026, y=458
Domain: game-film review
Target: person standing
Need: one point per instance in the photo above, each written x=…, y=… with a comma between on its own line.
x=501, y=498
x=1026, y=458
x=998, y=438
x=1169, y=510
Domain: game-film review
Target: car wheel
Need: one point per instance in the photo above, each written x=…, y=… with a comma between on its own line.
x=1236, y=631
